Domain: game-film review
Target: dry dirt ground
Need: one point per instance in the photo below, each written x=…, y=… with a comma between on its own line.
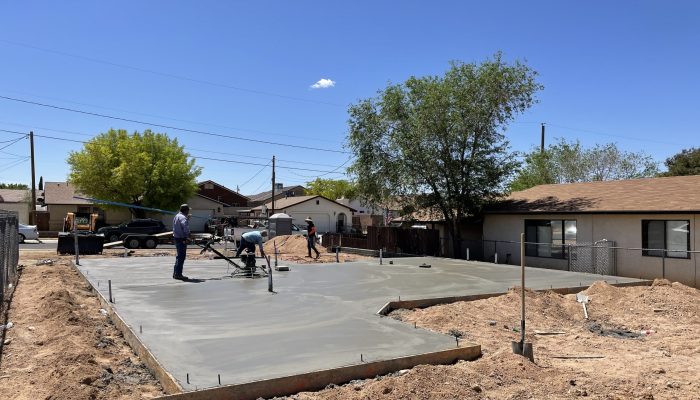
x=293, y=248
x=664, y=364
x=61, y=347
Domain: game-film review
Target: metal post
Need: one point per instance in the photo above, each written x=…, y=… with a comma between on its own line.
x=32, y=208
x=542, y=140
x=75, y=243
x=495, y=252
x=337, y=255
x=467, y=253
x=109, y=284
x=269, y=275
x=663, y=264
x=272, y=212
x=380, y=256
x=522, y=289
x=274, y=243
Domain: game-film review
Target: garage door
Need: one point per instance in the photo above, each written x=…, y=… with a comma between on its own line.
x=322, y=221
x=199, y=218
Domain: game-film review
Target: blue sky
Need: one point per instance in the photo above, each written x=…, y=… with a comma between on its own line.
x=624, y=71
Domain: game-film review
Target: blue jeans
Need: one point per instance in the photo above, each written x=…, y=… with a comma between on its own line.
x=311, y=244
x=245, y=245
x=181, y=246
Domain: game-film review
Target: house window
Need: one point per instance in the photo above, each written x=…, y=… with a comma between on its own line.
x=666, y=236
x=549, y=238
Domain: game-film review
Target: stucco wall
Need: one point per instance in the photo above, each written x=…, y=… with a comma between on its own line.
x=624, y=229
x=57, y=212
x=324, y=214
x=21, y=208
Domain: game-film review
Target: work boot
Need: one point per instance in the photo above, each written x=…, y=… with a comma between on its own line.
x=318, y=255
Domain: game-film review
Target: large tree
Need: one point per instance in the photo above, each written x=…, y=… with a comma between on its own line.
x=569, y=162
x=143, y=169
x=687, y=162
x=331, y=188
x=436, y=142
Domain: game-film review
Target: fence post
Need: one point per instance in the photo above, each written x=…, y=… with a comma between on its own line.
x=663, y=264
x=568, y=259
x=467, y=253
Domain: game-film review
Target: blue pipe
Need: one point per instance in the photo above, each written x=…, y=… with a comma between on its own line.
x=114, y=203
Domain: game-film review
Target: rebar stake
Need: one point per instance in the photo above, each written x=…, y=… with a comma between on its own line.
x=109, y=283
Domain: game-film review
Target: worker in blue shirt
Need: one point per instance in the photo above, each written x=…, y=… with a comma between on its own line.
x=249, y=240
x=181, y=235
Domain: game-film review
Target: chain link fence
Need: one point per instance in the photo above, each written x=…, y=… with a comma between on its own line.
x=9, y=252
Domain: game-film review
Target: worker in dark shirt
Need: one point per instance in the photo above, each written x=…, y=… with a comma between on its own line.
x=311, y=237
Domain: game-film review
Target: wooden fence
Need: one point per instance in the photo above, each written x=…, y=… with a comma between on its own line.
x=390, y=239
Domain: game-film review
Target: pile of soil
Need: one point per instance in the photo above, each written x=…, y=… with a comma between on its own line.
x=61, y=347
x=659, y=361
x=293, y=248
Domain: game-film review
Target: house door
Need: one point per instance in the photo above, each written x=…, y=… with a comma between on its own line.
x=340, y=225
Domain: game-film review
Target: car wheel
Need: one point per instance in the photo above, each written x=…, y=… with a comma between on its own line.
x=113, y=237
x=21, y=238
x=132, y=243
x=150, y=243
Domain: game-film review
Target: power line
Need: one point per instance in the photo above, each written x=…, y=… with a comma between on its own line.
x=12, y=142
x=616, y=136
x=256, y=174
x=178, y=119
x=205, y=158
x=34, y=127
x=173, y=76
x=169, y=127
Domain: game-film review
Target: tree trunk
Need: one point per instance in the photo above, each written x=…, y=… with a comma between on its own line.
x=455, y=236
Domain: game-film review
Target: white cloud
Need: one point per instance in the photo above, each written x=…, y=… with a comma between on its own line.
x=323, y=84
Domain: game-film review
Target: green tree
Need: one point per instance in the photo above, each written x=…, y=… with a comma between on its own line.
x=331, y=188
x=687, y=162
x=147, y=169
x=14, y=186
x=569, y=162
x=436, y=142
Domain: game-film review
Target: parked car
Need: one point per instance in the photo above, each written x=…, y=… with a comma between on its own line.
x=27, y=232
x=146, y=226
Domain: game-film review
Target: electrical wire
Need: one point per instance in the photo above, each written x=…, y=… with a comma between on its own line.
x=178, y=119
x=256, y=174
x=13, y=142
x=208, y=158
x=169, y=127
x=173, y=76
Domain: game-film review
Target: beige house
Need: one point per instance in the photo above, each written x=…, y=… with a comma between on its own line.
x=328, y=215
x=17, y=200
x=59, y=199
x=641, y=228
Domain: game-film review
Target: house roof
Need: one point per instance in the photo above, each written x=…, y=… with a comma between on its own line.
x=13, y=195
x=61, y=193
x=292, y=201
x=210, y=199
x=264, y=196
x=677, y=194
x=223, y=187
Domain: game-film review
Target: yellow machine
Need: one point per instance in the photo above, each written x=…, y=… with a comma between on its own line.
x=84, y=222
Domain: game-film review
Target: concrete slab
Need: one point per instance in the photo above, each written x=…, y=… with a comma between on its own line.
x=322, y=316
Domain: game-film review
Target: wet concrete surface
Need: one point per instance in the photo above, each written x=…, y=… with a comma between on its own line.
x=322, y=315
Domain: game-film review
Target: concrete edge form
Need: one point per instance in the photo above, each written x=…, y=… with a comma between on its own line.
x=425, y=303
x=317, y=380
x=170, y=385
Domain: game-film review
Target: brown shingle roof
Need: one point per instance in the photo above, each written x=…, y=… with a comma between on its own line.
x=668, y=194
x=14, y=195
x=61, y=193
x=264, y=196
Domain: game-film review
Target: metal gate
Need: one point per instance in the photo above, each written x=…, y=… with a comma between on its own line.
x=593, y=258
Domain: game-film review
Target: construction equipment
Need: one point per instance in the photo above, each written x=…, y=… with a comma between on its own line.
x=247, y=270
x=80, y=227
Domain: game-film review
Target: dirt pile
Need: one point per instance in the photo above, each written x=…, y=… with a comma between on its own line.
x=293, y=248
x=660, y=362
x=62, y=347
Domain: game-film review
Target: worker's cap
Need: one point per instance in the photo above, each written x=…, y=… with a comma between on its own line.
x=308, y=219
x=184, y=207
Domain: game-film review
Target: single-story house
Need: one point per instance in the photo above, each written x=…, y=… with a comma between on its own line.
x=59, y=199
x=281, y=192
x=643, y=228
x=223, y=194
x=328, y=215
x=18, y=200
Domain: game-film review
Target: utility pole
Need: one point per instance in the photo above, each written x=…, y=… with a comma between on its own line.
x=32, y=208
x=542, y=141
x=272, y=212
